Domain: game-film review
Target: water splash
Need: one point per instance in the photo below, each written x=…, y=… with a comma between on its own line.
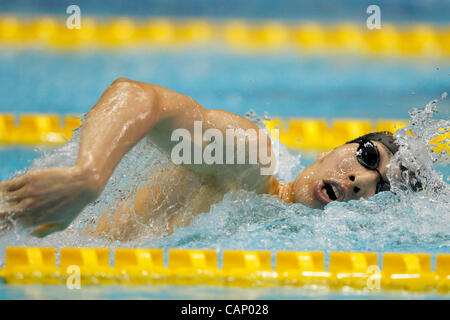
x=288, y=164
x=404, y=221
x=416, y=157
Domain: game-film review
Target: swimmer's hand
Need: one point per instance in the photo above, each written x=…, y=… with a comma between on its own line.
x=47, y=200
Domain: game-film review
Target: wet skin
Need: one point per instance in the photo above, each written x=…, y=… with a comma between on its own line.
x=48, y=200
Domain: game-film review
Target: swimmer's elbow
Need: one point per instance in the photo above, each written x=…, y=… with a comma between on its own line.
x=136, y=88
x=138, y=92
x=124, y=84
x=121, y=80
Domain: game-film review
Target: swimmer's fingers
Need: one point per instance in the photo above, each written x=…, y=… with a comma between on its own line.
x=12, y=211
x=33, y=177
x=15, y=196
x=7, y=213
x=31, y=212
x=28, y=213
x=4, y=227
x=54, y=215
x=33, y=194
x=5, y=224
x=13, y=191
x=53, y=197
x=36, y=196
x=13, y=184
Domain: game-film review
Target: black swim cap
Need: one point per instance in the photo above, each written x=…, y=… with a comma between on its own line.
x=384, y=137
x=388, y=140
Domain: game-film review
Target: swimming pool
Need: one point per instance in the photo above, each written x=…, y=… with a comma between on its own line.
x=340, y=86
x=288, y=85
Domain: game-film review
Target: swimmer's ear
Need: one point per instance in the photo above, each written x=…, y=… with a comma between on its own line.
x=321, y=155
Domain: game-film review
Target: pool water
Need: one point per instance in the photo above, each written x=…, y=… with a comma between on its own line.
x=246, y=221
x=287, y=84
x=200, y=292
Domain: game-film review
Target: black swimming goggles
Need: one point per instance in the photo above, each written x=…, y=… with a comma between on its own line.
x=368, y=156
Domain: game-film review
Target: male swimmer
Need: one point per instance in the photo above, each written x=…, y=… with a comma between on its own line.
x=48, y=200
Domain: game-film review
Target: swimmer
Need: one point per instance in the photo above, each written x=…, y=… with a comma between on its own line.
x=48, y=200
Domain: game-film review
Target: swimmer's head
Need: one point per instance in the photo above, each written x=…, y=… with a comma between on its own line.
x=352, y=171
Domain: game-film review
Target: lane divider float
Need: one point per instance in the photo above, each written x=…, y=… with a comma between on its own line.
x=304, y=36
x=35, y=129
x=322, y=135
x=302, y=134
x=358, y=270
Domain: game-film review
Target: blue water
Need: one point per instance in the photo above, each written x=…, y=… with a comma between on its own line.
x=245, y=221
x=287, y=84
x=200, y=292
x=399, y=10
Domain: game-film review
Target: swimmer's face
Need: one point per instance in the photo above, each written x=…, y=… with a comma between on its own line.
x=338, y=176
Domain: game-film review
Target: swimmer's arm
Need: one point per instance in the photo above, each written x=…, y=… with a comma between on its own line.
x=125, y=113
x=128, y=110
x=48, y=200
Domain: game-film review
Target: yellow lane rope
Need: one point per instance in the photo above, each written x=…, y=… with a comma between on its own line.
x=359, y=270
x=32, y=129
x=305, y=36
x=321, y=135
x=302, y=134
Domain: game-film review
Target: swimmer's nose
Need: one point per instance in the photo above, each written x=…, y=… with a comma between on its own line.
x=362, y=184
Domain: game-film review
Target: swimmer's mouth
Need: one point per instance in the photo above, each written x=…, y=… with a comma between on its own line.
x=328, y=191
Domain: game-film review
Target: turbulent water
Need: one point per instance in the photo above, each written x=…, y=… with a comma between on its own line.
x=404, y=221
